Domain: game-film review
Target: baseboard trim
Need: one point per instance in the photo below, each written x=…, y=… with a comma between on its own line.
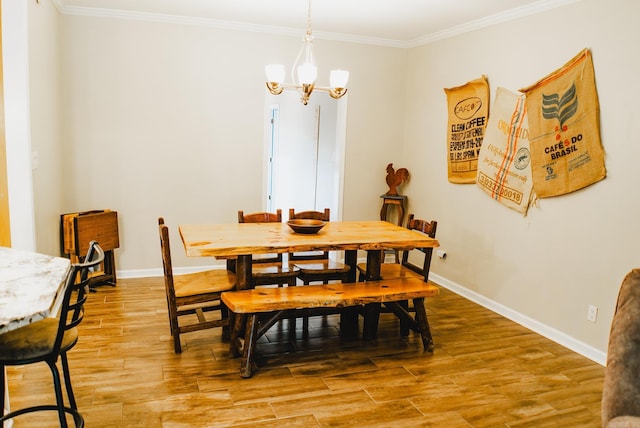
x=551, y=333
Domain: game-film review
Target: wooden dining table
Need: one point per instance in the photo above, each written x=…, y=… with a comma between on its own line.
x=240, y=241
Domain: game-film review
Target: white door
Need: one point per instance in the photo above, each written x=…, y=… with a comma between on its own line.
x=305, y=153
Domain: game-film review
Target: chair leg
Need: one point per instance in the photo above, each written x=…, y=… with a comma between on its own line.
x=67, y=381
x=58, y=390
x=177, y=347
x=175, y=329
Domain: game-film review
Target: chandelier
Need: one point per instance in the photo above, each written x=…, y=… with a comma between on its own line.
x=304, y=73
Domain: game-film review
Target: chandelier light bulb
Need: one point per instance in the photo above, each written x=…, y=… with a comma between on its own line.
x=307, y=73
x=275, y=73
x=339, y=78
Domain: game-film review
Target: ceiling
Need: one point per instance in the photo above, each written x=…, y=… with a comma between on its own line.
x=383, y=22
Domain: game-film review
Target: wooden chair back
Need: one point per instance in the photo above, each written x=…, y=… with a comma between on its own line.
x=309, y=215
x=262, y=217
x=167, y=267
x=428, y=228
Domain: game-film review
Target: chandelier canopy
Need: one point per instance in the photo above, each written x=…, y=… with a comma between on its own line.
x=304, y=73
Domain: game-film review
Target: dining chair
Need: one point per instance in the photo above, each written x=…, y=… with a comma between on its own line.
x=269, y=269
x=51, y=338
x=414, y=263
x=191, y=296
x=317, y=266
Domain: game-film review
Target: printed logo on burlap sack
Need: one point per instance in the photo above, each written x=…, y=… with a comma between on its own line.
x=566, y=151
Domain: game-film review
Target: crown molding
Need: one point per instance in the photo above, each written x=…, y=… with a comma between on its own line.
x=510, y=15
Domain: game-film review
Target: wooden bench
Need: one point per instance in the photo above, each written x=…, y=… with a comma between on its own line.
x=261, y=308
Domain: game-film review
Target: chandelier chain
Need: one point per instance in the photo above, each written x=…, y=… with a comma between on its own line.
x=309, y=19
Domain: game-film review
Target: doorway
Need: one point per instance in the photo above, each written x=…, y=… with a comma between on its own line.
x=305, y=148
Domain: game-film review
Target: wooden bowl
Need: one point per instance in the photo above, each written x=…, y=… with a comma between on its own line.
x=306, y=226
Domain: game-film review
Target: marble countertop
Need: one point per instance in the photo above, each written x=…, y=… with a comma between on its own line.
x=29, y=285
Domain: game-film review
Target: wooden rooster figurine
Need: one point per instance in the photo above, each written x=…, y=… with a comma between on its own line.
x=395, y=178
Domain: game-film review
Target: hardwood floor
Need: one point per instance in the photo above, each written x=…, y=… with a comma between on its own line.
x=486, y=371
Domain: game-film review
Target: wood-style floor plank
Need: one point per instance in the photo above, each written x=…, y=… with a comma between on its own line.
x=485, y=371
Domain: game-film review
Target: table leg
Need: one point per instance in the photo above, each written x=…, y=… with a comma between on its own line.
x=351, y=260
x=243, y=272
x=372, y=311
x=374, y=259
x=349, y=316
x=242, y=267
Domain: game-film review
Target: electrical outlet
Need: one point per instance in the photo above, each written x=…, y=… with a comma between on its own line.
x=592, y=313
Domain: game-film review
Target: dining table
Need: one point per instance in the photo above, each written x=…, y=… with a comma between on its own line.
x=239, y=242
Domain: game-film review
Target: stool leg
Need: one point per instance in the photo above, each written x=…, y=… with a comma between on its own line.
x=58, y=389
x=383, y=211
x=67, y=381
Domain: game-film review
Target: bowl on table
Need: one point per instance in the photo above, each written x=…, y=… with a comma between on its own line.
x=307, y=226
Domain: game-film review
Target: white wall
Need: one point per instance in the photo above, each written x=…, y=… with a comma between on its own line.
x=570, y=251
x=167, y=120
x=45, y=86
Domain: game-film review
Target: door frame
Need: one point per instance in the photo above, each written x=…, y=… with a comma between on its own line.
x=341, y=131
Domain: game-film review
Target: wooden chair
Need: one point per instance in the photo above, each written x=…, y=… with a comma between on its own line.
x=193, y=294
x=50, y=338
x=317, y=266
x=408, y=267
x=269, y=269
